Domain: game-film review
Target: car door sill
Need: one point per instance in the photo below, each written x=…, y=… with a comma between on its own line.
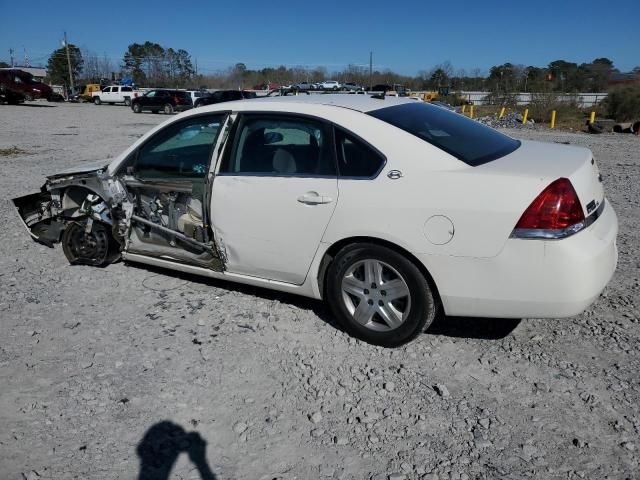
x=305, y=289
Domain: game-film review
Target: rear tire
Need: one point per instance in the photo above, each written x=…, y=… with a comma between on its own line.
x=127, y=102
x=167, y=109
x=97, y=101
x=400, y=303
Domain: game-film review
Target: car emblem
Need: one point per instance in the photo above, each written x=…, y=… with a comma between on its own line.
x=394, y=174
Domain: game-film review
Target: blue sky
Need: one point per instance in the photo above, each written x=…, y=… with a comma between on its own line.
x=405, y=36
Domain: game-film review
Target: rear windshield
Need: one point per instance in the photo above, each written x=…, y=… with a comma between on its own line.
x=465, y=139
x=182, y=94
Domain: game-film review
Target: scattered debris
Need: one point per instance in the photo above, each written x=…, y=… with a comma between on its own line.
x=315, y=417
x=442, y=390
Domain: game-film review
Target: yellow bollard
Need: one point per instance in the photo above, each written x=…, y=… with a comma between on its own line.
x=464, y=107
x=524, y=117
x=471, y=111
x=592, y=118
x=501, y=112
x=553, y=119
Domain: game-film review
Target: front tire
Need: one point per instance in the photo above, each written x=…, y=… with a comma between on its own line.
x=168, y=109
x=96, y=248
x=378, y=295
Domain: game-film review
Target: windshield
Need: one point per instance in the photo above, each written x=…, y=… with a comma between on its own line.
x=465, y=139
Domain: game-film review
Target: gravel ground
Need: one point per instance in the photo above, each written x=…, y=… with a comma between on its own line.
x=128, y=372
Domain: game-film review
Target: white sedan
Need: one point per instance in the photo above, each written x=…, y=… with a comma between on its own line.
x=390, y=210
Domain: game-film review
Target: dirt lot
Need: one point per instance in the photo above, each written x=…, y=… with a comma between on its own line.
x=122, y=371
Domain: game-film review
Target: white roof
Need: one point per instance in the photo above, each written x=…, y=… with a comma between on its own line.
x=360, y=103
x=35, y=71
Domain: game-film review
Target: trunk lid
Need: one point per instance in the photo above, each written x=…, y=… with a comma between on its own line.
x=492, y=197
x=543, y=163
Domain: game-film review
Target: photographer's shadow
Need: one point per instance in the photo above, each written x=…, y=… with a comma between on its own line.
x=161, y=446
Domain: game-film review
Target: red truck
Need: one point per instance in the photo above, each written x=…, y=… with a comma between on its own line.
x=17, y=86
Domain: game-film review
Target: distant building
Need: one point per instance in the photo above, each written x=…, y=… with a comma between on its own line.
x=37, y=72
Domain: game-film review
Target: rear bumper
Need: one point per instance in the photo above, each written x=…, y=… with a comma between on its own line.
x=531, y=278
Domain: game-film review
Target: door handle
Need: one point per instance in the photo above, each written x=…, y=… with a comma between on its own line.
x=312, y=198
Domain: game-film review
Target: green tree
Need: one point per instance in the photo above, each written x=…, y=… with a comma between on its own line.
x=151, y=64
x=57, y=66
x=132, y=64
x=599, y=71
x=503, y=78
x=439, y=78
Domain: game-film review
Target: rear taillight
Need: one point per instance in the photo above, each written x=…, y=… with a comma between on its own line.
x=176, y=99
x=555, y=213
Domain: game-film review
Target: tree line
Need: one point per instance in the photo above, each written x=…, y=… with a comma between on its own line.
x=150, y=64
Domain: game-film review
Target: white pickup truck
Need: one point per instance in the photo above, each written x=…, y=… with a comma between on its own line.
x=115, y=94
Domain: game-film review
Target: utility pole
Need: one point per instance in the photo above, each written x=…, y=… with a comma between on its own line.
x=370, y=70
x=11, y=55
x=66, y=44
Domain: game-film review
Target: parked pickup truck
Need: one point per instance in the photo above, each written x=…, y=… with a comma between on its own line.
x=115, y=94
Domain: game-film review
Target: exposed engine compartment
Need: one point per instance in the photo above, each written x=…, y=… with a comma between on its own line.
x=97, y=216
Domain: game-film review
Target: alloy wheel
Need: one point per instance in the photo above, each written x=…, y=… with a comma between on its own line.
x=376, y=295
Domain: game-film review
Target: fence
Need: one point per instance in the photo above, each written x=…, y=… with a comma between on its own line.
x=581, y=99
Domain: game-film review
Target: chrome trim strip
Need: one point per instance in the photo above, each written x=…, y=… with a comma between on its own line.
x=542, y=234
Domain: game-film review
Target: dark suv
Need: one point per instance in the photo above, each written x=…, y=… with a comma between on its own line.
x=168, y=101
x=224, y=96
x=17, y=86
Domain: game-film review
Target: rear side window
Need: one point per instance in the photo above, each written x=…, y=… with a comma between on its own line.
x=356, y=159
x=127, y=89
x=465, y=139
x=274, y=145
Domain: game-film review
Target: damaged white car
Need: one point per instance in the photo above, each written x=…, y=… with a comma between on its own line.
x=391, y=210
